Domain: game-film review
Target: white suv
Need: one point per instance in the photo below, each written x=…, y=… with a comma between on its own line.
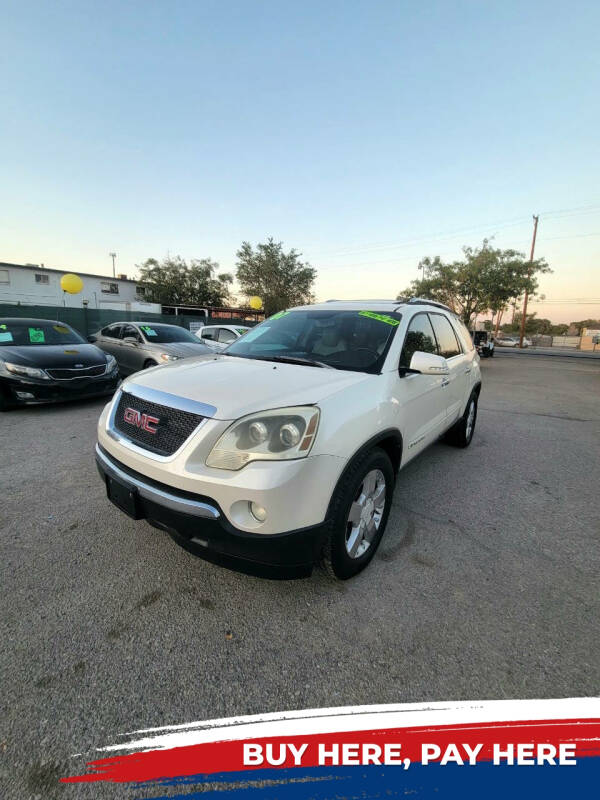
x=283, y=451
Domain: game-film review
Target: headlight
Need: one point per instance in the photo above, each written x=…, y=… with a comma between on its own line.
x=277, y=435
x=30, y=372
x=111, y=363
x=169, y=357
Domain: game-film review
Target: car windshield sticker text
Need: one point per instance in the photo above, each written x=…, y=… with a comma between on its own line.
x=36, y=336
x=380, y=317
x=148, y=330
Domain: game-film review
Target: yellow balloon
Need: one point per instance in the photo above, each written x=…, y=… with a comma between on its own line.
x=71, y=283
x=255, y=303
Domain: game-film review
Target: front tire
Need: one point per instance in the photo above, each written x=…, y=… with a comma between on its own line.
x=461, y=434
x=150, y=363
x=360, y=508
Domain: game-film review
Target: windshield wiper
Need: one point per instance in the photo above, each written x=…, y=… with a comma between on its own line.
x=294, y=360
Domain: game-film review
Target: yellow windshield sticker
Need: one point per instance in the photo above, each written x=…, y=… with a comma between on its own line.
x=380, y=318
x=61, y=329
x=36, y=336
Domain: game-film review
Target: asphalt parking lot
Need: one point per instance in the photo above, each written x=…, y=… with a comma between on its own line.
x=485, y=586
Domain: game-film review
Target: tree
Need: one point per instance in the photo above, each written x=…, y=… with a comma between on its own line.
x=559, y=330
x=279, y=278
x=585, y=323
x=174, y=282
x=485, y=279
x=533, y=324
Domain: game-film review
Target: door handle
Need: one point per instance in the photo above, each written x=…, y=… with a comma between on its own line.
x=445, y=383
x=468, y=369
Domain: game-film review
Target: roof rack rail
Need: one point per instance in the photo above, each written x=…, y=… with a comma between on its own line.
x=422, y=301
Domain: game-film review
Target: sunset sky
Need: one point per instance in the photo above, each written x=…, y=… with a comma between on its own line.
x=364, y=134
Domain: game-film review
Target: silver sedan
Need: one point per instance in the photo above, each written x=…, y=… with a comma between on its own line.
x=139, y=345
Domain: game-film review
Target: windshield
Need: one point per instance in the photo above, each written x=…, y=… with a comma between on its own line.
x=36, y=332
x=349, y=340
x=162, y=334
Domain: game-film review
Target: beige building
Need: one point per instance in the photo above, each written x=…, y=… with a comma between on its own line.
x=590, y=339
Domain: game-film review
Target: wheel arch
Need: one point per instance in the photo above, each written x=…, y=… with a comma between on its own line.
x=390, y=441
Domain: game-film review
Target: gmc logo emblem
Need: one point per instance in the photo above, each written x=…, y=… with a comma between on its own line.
x=144, y=421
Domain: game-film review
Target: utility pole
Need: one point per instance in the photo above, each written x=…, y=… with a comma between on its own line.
x=113, y=256
x=524, y=317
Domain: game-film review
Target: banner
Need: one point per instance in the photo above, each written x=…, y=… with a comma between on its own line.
x=499, y=748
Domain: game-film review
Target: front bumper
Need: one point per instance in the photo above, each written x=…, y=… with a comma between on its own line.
x=198, y=524
x=27, y=391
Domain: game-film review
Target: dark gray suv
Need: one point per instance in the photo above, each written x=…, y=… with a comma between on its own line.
x=139, y=345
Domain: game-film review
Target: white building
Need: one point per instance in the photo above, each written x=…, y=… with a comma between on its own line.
x=32, y=284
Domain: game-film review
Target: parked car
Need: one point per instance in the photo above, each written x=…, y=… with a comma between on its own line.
x=284, y=449
x=484, y=343
x=44, y=361
x=511, y=341
x=139, y=345
x=220, y=336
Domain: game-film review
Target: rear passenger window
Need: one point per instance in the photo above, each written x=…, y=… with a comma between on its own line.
x=446, y=338
x=208, y=334
x=112, y=331
x=419, y=336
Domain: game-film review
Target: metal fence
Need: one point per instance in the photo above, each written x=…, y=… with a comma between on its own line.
x=541, y=340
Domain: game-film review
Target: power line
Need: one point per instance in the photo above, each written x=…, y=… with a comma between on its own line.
x=563, y=213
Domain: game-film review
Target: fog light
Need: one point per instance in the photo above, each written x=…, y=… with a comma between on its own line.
x=258, y=512
x=24, y=395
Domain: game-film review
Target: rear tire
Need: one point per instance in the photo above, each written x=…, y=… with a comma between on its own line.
x=461, y=434
x=359, y=512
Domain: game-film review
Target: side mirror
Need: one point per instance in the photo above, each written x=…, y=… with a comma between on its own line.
x=429, y=364
x=130, y=340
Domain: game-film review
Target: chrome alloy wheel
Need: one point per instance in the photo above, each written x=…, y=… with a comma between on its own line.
x=366, y=513
x=470, y=420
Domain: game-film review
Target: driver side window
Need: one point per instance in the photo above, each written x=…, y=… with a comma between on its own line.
x=129, y=330
x=419, y=336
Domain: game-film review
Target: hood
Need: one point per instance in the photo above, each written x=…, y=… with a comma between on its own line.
x=240, y=386
x=182, y=349
x=54, y=355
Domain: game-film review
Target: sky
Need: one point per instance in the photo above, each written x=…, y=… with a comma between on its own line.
x=366, y=135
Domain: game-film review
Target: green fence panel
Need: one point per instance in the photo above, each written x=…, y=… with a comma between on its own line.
x=90, y=320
